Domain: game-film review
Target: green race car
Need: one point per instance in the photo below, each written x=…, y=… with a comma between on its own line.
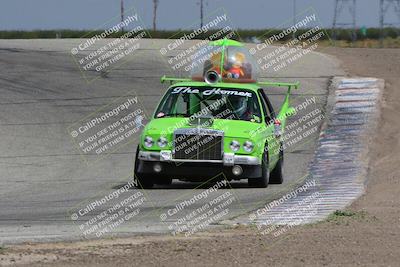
x=219, y=121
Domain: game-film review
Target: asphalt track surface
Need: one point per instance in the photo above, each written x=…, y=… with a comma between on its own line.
x=43, y=179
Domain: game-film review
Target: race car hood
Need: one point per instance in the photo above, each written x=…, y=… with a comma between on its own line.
x=231, y=128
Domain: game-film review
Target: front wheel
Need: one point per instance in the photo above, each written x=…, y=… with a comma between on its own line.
x=263, y=181
x=142, y=181
x=163, y=181
x=277, y=172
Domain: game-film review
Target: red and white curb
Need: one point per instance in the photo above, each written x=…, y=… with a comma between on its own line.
x=338, y=172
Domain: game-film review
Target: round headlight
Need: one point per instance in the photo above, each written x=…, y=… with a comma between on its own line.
x=248, y=146
x=162, y=142
x=148, y=141
x=234, y=145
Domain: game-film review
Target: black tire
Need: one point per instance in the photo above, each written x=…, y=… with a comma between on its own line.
x=263, y=181
x=277, y=173
x=163, y=181
x=142, y=181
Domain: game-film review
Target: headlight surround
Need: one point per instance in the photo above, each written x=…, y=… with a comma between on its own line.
x=248, y=146
x=162, y=142
x=234, y=145
x=148, y=141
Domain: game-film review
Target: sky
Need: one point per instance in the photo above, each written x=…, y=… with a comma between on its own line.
x=172, y=14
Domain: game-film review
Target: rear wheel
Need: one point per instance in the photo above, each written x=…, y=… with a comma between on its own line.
x=277, y=172
x=263, y=181
x=142, y=180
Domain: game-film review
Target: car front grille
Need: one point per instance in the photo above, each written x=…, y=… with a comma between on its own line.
x=198, y=144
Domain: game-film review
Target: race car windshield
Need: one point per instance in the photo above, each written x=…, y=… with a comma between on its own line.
x=219, y=103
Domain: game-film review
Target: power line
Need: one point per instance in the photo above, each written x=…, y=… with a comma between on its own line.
x=122, y=14
x=384, y=7
x=339, y=22
x=201, y=3
x=155, y=6
x=201, y=13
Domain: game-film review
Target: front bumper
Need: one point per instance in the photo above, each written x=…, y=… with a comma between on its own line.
x=229, y=159
x=197, y=170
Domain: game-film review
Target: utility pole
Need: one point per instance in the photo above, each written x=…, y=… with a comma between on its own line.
x=155, y=6
x=122, y=13
x=294, y=17
x=201, y=13
x=340, y=5
x=384, y=7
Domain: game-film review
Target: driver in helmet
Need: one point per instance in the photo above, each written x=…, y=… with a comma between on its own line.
x=239, y=107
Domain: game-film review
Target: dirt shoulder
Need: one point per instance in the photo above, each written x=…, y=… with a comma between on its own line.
x=367, y=235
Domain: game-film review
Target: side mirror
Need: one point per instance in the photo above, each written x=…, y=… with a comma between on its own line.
x=140, y=121
x=290, y=112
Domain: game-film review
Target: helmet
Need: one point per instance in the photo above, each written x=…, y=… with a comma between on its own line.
x=238, y=104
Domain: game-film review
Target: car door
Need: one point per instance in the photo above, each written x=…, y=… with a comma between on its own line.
x=270, y=116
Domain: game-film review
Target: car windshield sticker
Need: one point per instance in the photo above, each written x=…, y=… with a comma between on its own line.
x=214, y=91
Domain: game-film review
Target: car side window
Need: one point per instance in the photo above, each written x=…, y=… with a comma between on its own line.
x=264, y=105
x=269, y=105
